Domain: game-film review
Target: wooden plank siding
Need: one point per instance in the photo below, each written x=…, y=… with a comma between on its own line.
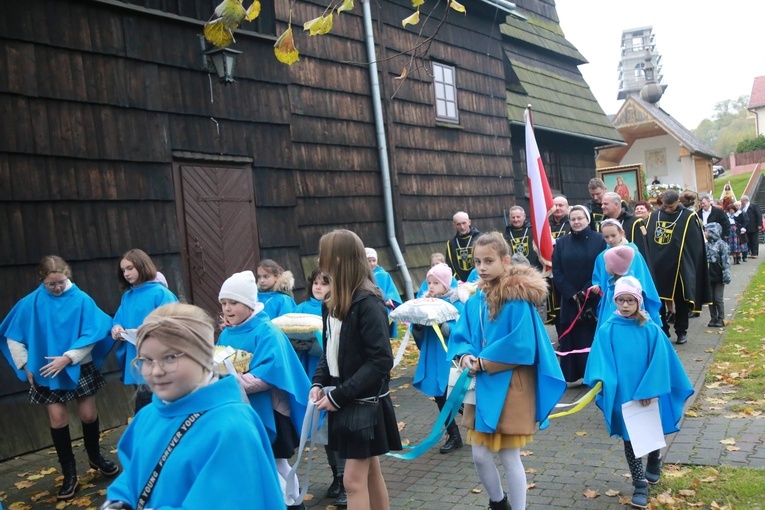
x=102, y=102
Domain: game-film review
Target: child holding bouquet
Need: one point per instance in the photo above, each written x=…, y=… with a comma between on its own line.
x=276, y=384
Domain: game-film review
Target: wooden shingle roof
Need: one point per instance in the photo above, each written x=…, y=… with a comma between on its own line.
x=560, y=103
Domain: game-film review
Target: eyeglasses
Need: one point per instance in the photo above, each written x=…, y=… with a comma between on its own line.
x=168, y=363
x=628, y=301
x=53, y=285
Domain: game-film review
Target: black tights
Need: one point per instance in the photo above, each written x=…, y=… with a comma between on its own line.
x=636, y=465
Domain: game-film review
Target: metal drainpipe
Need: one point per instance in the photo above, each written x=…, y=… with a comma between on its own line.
x=382, y=148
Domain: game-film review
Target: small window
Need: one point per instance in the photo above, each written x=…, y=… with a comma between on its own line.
x=639, y=72
x=637, y=44
x=446, y=93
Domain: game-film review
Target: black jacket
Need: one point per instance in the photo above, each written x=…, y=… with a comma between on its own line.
x=365, y=358
x=634, y=231
x=753, y=219
x=716, y=215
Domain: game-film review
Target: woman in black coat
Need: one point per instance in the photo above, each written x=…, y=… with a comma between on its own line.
x=572, y=264
x=355, y=367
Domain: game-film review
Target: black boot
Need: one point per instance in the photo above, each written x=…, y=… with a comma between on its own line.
x=454, y=441
x=91, y=436
x=337, y=482
x=342, y=498
x=499, y=505
x=62, y=441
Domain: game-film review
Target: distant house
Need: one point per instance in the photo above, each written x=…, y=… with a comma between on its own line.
x=757, y=104
x=541, y=69
x=666, y=148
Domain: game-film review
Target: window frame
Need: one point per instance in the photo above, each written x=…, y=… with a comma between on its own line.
x=446, y=85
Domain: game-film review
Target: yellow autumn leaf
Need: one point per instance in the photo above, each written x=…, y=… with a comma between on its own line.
x=284, y=48
x=457, y=6
x=218, y=34
x=411, y=20
x=417, y=3
x=231, y=12
x=253, y=11
x=612, y=492
x=590, y=494
x=402, y=75
x=347, y=6
x=319, y=26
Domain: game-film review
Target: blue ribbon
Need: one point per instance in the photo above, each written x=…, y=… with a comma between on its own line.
x=447, y=414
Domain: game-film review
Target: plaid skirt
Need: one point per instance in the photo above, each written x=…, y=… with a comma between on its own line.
x=90, y=381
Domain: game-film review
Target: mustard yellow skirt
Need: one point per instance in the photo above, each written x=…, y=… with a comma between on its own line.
x=497, y=441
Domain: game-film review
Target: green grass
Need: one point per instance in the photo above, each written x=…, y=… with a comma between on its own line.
x=740, y=361
x=737, y=182
x=728, y=487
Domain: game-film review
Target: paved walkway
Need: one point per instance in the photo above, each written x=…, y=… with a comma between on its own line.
x=572, y=455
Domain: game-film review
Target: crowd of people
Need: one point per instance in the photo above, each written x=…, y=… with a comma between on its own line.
x=621, y=275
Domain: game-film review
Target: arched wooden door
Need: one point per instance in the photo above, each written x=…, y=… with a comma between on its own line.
x=218, y=225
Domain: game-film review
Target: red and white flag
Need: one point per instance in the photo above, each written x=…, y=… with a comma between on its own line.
x=539, y=196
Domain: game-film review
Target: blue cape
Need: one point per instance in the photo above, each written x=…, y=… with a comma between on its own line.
x=137, y=303
x=273, y=360
x=50, y=325
x=432, y=373
x=636, y=362
x=224, y=461
x=312, y=306
x=276, y=304
x=639, y=269
x=473, y=276
x=516, y=336
x=385, y=282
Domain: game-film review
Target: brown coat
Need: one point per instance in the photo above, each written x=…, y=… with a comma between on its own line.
x=519, y=409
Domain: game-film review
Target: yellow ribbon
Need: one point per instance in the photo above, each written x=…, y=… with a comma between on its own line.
x=440, y=336
x=581, y=403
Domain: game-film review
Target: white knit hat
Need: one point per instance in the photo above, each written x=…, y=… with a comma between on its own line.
x=371, y=253
x=242, y=288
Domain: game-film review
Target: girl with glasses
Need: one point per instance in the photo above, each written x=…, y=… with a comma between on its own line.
x=634, y=360
x=197, y=445
x=143, y=293
x=56, y=339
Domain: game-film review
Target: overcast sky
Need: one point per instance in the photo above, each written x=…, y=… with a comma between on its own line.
x=711, y=51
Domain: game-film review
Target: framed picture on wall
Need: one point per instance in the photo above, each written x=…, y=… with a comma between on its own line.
x=626, y=180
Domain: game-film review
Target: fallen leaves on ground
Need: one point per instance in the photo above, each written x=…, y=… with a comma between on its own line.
x=590, y=494
x=612, y=492
x=526, y=453
x=476, y=491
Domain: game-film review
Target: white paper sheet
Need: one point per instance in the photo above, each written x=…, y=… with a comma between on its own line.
x=644, y=426
x=130, y=335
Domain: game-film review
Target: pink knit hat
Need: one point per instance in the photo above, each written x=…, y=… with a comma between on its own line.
x=629, y=285
x=618, y=259
x=442, y=273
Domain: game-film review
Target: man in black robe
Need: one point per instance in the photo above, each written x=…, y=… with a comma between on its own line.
x=597, y=189
x=678, y=262
x=520, y=236
x=459, y=249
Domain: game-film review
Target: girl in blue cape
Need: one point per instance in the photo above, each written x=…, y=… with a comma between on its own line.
x=56, y=339
x=319, y=289
x=605, y=275
x=221, y=456
x=143, y=293
x=634, y=359
x=275, y=288
x=435, y=258
x=383, y=280
x=502, y=340
x=432, y=373
x=276, y=384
